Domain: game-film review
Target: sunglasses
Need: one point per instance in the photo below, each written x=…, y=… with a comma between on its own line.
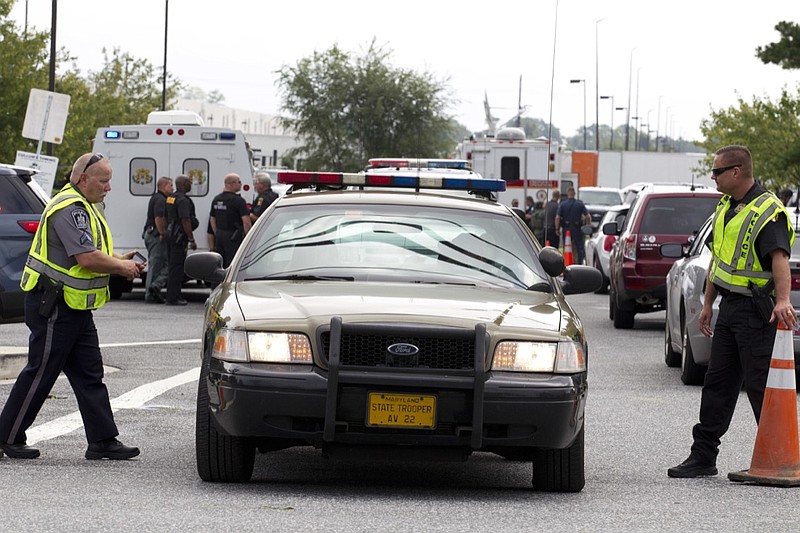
x=92, y=160
x=722, y=170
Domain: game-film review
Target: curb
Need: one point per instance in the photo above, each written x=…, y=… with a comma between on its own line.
x=12, y=360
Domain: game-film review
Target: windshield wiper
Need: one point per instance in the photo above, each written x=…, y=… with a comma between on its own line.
x=302, y=277
x=429, y=282
x=541, y=286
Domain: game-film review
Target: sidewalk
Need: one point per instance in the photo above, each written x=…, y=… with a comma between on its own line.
x=12, y=359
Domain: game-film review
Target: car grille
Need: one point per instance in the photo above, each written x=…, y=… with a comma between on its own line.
x=370, y=350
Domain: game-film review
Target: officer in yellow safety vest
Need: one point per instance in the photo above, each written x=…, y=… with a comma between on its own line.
x=66, y=277
x=751, y=243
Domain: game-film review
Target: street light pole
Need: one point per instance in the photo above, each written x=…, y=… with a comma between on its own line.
x=658, y=122
x=611, y=145
x=597, y=87
x=628, y=114
x=636, y=133
x=638, y=71
x=164, y=81
x=584, y=109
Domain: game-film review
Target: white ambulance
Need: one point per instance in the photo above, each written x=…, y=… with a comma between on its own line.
x=170, y=144
x=530, y=167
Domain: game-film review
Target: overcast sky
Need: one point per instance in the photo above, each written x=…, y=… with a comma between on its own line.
x=689, y=56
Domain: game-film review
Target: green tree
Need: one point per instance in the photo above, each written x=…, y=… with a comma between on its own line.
x=349, y=108
x=786, y=52
x=771, y=130
x=23, y=64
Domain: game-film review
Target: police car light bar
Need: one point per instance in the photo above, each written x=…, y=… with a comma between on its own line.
x=455, y=164
x=306, y=179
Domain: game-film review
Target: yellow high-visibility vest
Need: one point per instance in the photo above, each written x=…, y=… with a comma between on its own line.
x=83, y=289
x=735, y=261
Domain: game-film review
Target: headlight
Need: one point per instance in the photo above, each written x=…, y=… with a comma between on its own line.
x=241, y=346
x=558, y=357
x=279, y=347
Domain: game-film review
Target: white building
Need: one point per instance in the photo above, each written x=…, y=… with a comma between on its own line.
x=268, y=140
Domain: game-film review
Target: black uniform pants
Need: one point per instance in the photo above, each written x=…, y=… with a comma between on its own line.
x=550, y=236
x=176, y=256
x=577, y=239
x=226, y=243
x=67, y=342
x=741, y=351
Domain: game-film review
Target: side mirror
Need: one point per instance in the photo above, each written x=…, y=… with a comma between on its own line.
x=580, y=279
x=552, y=261
x=205, y=266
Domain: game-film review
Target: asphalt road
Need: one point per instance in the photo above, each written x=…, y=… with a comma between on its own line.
x=639, y=419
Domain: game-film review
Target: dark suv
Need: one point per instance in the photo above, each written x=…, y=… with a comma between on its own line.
x=22, y=201
x=637, y=271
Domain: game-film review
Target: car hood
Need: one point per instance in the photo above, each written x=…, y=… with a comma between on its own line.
x=303, y=304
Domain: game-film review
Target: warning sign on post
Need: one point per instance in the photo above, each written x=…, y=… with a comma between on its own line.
x=46, y=116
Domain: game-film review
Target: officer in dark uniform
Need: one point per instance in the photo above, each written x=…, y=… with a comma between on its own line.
x=230, y=219
x=751, y=245
x=181, y=223
x=154, y=234
x=570, y=217
x=265, y=195
x=65, y=278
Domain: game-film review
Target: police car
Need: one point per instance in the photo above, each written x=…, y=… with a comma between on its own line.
x=375, y=313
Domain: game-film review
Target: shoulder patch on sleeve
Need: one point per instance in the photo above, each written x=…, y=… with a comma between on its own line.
x=170, y=199
x=81, y=218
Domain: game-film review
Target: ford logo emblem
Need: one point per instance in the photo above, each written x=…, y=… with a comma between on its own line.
x=402, y=348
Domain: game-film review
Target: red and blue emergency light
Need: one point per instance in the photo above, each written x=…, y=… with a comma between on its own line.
x=402, y=181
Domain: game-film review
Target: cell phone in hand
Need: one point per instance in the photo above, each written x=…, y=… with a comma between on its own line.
x=139, y=258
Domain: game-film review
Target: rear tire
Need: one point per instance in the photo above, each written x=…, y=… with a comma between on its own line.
x=610, y=304
x=623, y=318
x=691, y=372
x=219, y=458
x=560, y=470
x=671, y=357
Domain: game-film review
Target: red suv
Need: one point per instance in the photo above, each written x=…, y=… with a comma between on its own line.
x=637, y=271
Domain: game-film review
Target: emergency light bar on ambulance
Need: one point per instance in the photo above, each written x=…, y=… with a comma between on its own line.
x=394, y=162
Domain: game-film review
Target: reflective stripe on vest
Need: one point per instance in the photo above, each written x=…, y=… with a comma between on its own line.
x=735, y=261
x=83, y=289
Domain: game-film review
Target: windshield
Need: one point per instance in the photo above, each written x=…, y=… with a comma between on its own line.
x=609, y=197
x=392, y=243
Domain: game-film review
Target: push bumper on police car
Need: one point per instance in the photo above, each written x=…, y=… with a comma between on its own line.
x=395, y=403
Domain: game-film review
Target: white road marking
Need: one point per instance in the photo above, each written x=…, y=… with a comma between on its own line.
x=130, y=400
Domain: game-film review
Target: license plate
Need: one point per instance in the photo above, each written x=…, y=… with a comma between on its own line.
x=386, y=409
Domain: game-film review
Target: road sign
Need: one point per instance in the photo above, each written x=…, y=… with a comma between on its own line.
x=46, y=116
x=46, y=165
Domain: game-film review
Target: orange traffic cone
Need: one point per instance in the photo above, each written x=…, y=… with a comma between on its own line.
x=776, y=456
x=567, y=249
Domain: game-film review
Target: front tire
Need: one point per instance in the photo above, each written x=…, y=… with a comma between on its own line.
x=219, y=458
x=560, y=470
x=691, y=372
x=604, y=287
x=671, y=357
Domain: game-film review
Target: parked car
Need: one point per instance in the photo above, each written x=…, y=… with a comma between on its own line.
x=392, y=322
x=684, y=344
x=597, y=201
x=22, y=201
x=598, y=246
x=637, y=272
